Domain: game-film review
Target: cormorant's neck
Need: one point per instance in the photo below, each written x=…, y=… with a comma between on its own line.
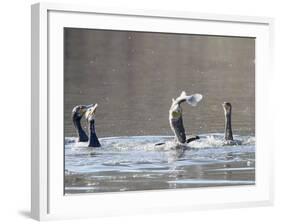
x=94, y=141
x=228, y=129
x=82, y=136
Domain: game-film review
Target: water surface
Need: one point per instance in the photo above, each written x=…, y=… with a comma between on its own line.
x=135, y=163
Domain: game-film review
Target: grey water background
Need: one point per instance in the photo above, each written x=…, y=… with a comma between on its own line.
x=133, y=76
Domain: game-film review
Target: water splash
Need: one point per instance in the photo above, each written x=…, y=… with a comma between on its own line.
x=125, y=143
x=136, y=163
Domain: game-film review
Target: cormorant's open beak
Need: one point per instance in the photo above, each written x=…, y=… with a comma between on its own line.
x=91, y=111
x=94, y=109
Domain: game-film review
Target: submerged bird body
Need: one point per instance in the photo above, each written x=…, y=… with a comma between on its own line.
x=175, y=116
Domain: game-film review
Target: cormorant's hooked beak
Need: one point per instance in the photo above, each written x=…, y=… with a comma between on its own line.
x=91, y=111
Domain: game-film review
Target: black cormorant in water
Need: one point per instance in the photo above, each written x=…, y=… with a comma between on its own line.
x=228, y=136
x=175, y=117
x=228, y=129
x=77, y=114
x=90, y=117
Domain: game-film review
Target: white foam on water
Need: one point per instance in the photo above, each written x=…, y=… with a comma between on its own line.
x=148, y=142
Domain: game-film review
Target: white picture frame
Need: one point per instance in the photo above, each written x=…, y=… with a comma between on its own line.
x=48, y=201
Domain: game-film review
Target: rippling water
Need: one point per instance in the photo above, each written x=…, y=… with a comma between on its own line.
x=135, y=163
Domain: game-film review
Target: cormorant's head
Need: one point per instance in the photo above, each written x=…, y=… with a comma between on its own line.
x=79, y=111
x=90, y=113
x=227, y=107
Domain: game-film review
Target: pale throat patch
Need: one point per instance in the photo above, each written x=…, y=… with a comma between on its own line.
x=176, y=114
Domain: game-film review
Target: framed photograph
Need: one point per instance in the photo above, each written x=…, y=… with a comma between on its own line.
x=148, y=111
